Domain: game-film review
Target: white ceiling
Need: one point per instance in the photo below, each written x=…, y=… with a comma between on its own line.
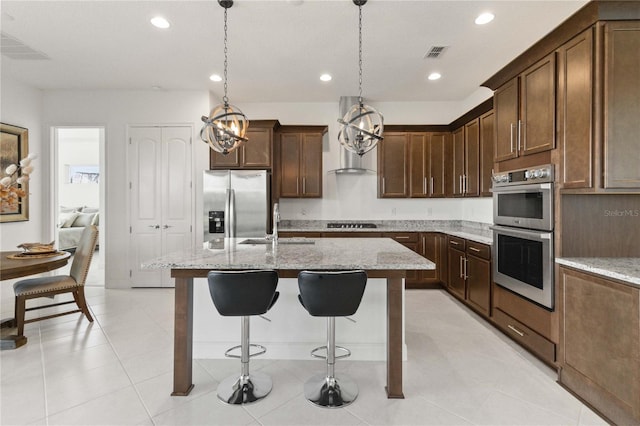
x=277, y=49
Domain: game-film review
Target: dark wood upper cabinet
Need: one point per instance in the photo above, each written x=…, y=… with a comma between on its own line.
x=300, y=162
x=505, y=104
x=471, y=179
x=393, y=165
x=525, y=112
x=438, y=144
x=256, y=153
x=537, y=108
x=457, y=162
x=487, y=122
x=574, y=110
x=419, y=165
x=622, y=105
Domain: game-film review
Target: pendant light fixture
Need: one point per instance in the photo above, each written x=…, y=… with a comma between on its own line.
x=225, y=127
x=362, y=126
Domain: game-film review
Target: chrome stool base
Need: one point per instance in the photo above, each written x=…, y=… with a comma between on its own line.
x=242, y=390
x=330, y=392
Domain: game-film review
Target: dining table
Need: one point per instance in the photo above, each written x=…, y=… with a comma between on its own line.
x=378, y=257
x=16, y=264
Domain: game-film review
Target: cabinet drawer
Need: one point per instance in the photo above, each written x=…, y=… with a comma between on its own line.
x=457, y=243
x=479, y=250
x=525, y=336
x=402, y=237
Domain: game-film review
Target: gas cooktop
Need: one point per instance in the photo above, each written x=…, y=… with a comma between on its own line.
x=362, y=225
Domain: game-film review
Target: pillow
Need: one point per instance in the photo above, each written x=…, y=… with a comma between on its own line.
x=65, y=209
x=66, y=219
x=83, y=219
x=86, y=209
x=95, y=220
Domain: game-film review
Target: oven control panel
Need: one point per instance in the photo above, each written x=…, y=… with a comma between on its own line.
x=540, y=174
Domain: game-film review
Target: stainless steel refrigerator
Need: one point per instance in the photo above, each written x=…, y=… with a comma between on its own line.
x=235, y=203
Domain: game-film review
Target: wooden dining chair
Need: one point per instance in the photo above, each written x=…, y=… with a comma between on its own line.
x=33, y=288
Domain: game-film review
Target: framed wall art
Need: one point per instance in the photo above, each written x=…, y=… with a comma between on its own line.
x=14, y=146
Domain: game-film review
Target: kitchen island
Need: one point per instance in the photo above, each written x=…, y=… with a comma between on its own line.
x=379, y=257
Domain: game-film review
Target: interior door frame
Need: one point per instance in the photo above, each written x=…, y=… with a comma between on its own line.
x=129, y=177
x=102, y=183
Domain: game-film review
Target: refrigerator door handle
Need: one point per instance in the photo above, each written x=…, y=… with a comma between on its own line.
x=227, y=214
x=232, y=213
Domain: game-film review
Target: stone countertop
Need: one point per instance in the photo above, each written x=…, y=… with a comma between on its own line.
x=474, y=231
x=297, y=254
x=625, y=269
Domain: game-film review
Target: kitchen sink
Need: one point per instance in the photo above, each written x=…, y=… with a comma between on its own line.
x=257, y=241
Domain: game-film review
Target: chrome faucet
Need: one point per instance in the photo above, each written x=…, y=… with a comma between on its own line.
x=276, y=219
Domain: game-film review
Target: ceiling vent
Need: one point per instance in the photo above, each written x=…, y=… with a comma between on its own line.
x=435, y=52
x=13, y=48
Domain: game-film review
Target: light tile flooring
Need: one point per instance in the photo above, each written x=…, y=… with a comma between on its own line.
x=117, y=371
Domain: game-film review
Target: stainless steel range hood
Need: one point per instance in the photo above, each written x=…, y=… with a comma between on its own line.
x=350, y=162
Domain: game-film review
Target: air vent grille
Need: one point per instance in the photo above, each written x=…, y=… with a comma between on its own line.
x=435, y=52
x=13, y=48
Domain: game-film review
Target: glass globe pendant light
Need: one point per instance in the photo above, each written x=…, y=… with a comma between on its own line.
x=362, y=126
x=225, y=128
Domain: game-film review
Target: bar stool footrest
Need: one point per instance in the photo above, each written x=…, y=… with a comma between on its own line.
x=261, y=351
x=345, y=355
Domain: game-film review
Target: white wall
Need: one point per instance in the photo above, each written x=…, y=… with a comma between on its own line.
x=21, y=105
x=115, y=110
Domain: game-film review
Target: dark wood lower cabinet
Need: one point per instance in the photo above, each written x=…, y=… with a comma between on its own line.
x=469, y=266
x=600, y=344
x=456, y=284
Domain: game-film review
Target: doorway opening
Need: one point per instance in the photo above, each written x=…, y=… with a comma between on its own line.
x=79, y=194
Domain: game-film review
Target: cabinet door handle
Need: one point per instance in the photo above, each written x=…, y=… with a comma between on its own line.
x=424, y=185
x=384, y=189
x=464, y=274
x=401, y=237
x=455, y=243
x=511, y=135
x=304, y=185
x=474, y=249
x=515, y=330
x=519, y=133
x=431, y=185
x=461, y=274
x=460, y=183
x=464, y=184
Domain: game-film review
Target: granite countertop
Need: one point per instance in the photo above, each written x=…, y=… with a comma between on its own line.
x=297, y=254
x=474, y=231
x=625, y=269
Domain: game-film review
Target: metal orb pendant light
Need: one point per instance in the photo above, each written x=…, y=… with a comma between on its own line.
x=225, y=127
x=362, y=126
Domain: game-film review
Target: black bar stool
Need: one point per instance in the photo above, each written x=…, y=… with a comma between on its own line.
x=242, y=294
x=331, y=294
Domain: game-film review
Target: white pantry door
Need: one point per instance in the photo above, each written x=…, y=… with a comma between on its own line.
x=160, y=199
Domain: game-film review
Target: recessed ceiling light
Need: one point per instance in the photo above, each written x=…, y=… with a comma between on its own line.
x=325, y=77
x=160, y=22
x=484, y=18
x=434, y=76
x=215, y=77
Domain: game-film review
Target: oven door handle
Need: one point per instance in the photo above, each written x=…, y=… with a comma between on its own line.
x=543, y=235
x=530, y=187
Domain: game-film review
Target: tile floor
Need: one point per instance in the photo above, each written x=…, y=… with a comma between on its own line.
x=118, y=371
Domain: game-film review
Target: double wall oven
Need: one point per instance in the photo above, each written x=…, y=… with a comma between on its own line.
x=523, y=255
